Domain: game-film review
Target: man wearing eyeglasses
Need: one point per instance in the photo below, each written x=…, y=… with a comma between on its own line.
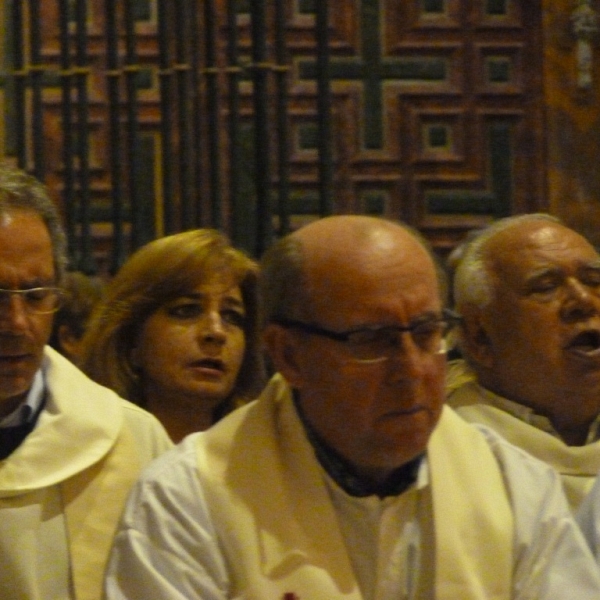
x=528, y=290
x=69, y=448
x=348, y=478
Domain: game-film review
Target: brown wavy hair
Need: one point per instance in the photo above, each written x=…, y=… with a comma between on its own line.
x=157, y=273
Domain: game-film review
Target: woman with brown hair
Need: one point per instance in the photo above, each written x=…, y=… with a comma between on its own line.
x=177, y=331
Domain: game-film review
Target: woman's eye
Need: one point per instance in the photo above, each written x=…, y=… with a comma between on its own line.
x=233, y=317
x=185, y=311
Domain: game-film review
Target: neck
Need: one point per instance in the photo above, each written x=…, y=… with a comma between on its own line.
x=572, y=434
x=181, y=419
x=572, y=426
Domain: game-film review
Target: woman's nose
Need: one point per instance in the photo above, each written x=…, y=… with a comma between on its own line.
x=212, y=326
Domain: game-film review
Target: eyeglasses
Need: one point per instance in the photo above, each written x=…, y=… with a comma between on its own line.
x=39, y=300
x=377, y=344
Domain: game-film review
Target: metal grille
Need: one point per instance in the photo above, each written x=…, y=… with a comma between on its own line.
x=216, y=96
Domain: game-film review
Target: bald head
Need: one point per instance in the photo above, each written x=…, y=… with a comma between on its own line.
x=335, y=236
x=298, y=270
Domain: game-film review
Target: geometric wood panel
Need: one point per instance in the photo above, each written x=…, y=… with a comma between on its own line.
x=437, y=113
x=442, y=102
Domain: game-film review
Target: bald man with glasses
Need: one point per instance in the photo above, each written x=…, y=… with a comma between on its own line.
x=348, y=477
x=69, y=449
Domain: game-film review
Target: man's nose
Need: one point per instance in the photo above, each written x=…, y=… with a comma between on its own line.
x=14, y=315
x=582, y=302
x=407, y=360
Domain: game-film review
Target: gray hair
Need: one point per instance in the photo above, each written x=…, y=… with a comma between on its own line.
x=21, y=191
x=473, y=281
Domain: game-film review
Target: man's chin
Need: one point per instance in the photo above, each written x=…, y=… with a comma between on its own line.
x=14, y=386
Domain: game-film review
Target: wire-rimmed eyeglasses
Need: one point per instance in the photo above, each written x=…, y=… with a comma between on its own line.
x=39, y=300
x=376, y=344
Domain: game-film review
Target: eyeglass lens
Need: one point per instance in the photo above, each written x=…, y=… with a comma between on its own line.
x=36, y=300
x=380, y=344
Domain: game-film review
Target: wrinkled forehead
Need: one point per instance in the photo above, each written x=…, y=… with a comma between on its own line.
x=535, y=245
x=380, y=270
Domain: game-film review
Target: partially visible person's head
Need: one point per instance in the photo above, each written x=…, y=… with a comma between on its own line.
x=32, y=255
x=81, y=294
x=21, y=191
x=374, y=398
x=454, y=258
x=528, y=289
x=179, y=318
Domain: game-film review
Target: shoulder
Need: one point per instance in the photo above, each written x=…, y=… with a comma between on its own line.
x=147, y=429
x=169, y=484
x=524, y=475
x=180, y=459
x=588, y=518
x=513, y=457
x=89, y=407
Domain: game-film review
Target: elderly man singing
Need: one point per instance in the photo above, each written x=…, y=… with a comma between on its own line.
x=528, y=290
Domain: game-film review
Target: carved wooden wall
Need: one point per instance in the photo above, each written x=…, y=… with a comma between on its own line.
x=437, y=114
x=439, y=110
x=572, y=117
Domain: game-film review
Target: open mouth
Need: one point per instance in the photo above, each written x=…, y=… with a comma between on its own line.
x=586, y=343
x=213, y=364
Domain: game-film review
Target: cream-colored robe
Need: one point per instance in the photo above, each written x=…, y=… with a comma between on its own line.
x=279, y=529
x=577, y=465
x=62, y=491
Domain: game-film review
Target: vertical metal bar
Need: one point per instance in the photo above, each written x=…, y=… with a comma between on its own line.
x=324, y=110
x=233, y=76
x=81, y=77
x=212, y=92
x=113, y=76
x=20, y=83
x=133, y=159
x=182, y=73
x=196, y=118
x=165, y=76
x=261, y=116
x=281, y=74
x=69, y=199
x=36, y=75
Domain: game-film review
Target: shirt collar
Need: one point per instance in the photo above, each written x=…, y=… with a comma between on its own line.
x=27, y=410
x=529, y=416
x=344, y=474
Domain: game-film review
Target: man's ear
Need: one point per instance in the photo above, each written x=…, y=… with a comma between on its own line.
x=282, y=346
x=474, y=338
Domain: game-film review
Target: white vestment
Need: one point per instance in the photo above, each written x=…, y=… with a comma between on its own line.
x=63, y=489
x=245, y=510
